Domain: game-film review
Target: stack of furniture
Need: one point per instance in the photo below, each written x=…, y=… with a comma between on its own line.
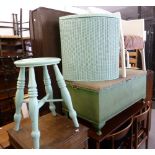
x=90, y=64
x=95, y=141
x=113, y=125
x=45, y=38
x=13, y=44
x=12, y=47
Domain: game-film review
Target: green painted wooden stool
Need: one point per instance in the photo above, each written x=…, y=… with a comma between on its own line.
x=34, y=103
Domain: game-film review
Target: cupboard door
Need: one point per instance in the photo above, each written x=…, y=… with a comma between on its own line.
x=45, y=38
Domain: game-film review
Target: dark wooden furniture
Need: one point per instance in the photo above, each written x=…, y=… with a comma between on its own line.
x=13, y=44
x=45, y=39
x=10, y=46
x=56, y=133
x=114, y=123
x=141, y=128
x=150, y=47
x=149, y=92
x=11, y=49
x=8, y=85
x=122, y=137
x=8, y=81
x=27, y=46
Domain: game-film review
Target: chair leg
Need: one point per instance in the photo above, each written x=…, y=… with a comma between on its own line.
x=146, y=143
x=33, y=107
x=142, y=52
x=66, y=95
x=48, y=89
x=19, y=97
x=122, y=51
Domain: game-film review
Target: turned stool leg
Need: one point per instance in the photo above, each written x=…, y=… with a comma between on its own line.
x=19, y=97
x=48, y=89
x=65, y=95
x=33, y=107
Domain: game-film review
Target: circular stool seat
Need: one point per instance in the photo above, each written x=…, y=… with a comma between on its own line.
x=34, y=103
x=34, y=62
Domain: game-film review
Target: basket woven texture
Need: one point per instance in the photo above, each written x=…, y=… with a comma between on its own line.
x=90, y=47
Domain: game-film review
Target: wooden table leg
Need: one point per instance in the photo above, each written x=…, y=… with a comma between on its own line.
x=97, y=145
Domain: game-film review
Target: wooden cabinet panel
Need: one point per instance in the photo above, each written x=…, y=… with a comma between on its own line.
x=45, y=39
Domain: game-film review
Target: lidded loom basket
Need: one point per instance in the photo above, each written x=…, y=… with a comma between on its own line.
x=90, y=47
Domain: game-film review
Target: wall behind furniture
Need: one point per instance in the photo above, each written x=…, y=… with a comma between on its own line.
x=8, y=7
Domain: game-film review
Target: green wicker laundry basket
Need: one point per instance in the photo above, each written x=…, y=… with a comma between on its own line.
x=90, y=47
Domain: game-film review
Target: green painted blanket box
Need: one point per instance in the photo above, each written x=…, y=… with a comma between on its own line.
x=99, y=101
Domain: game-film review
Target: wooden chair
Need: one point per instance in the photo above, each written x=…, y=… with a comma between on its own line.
x=133, y=58
x=122, y=137
x=141, y=128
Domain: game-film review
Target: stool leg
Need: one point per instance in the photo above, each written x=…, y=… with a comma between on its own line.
x=19, y=97
x=66, y=95
x=48, y=89
x=33, y=107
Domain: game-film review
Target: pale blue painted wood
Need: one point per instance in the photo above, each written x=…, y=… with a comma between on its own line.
x=33, y=107
x=66, y=95
x=34, y=103
x=19, y=97
x=48, y=89
x=34, y=62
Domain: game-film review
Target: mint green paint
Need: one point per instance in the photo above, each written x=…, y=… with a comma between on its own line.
x=116, y=99
x=84, y=102
x=19, y=97
x=33, y=107
x=48, y=89
x=66, y=95
x=99, y=106
x=90, y=47
x=34, y=103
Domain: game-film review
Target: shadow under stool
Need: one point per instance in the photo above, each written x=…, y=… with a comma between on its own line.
x=34, y=103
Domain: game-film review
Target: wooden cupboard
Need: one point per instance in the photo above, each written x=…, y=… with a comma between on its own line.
x=45, y=39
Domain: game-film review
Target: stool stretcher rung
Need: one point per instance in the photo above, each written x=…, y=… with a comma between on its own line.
x=43, y=100
x=55, y=100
